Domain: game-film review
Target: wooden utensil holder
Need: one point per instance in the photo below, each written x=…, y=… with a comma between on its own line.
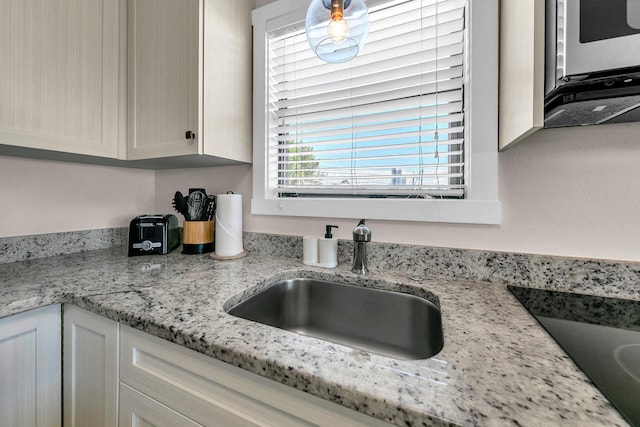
x=197, y=237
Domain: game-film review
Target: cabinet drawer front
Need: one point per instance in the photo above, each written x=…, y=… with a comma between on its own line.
x=213, y=392
x=138, y=410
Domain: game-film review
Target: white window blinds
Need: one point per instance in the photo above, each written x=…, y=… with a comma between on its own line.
x=388, y=123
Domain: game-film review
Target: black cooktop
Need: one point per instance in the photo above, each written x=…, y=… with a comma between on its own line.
x=602, y=336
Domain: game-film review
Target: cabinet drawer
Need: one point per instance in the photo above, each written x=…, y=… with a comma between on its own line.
x=209, y=391
x=138, y=410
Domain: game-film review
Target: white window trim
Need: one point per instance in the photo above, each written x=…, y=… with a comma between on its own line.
x=481, y=205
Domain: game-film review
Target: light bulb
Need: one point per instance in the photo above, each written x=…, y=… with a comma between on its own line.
x=338, y=30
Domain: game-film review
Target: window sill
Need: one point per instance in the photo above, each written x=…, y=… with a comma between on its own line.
x=452, y=211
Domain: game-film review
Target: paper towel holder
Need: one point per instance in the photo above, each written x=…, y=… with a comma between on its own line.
x=229, y=226
x=228, y=258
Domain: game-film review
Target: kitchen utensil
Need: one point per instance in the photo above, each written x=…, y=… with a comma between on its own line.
x=196, y=205
x=210, y=208
x=180, y=204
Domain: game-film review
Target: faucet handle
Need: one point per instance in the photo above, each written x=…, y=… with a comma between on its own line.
x=362, y=233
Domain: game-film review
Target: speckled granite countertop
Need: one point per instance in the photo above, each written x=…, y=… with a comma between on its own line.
x=498, y=366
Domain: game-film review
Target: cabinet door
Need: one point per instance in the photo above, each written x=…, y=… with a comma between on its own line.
x=163, y=101
x=227, y=83
x=522, y=41
x=138, y=410
x=90, y=369
x=30, y=377
x=62, y=75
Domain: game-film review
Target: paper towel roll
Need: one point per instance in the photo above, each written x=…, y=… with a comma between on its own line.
x=228, y=240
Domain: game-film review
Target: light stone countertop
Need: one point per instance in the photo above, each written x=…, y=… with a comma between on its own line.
x=497, y=367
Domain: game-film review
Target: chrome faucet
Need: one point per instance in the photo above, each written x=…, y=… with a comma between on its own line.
x=361, y=235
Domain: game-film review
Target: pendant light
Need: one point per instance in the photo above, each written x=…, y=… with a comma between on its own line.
x=337, y=29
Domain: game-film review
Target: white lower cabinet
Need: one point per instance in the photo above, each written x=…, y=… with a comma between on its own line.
x=90, y=383
x=30, y=364
x=214, y=393
x=115, y=375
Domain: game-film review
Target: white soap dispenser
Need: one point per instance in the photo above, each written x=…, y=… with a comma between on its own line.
x=320, y=251
x=328, y=249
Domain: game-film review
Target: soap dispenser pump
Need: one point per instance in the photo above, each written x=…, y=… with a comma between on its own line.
x=327, y=234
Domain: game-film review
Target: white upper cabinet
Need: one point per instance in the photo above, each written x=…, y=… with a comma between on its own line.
x=189, y=80
x=228, y=79
x=62, y=78
x=163, y=37
x=522, y=44
x=166, y=83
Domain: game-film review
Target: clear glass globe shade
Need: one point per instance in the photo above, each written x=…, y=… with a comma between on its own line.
x=337, y=41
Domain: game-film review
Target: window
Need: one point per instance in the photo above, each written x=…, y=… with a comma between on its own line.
x=400, y=132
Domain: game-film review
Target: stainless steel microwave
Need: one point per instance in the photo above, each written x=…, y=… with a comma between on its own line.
x=592, y=62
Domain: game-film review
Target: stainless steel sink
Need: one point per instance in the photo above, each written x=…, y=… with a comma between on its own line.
x=384, y=322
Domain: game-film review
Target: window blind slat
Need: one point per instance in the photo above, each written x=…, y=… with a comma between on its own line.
x=297, y=50
x=380, y=119
x=446, y=78
x=382, y=25
x=284, y=133
x=430, y=169
x=431, y=101
x=291, y=80
x=369, y=158
x=401, y=137
x=372, y=94
x=357, y=147
x=433, y=192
